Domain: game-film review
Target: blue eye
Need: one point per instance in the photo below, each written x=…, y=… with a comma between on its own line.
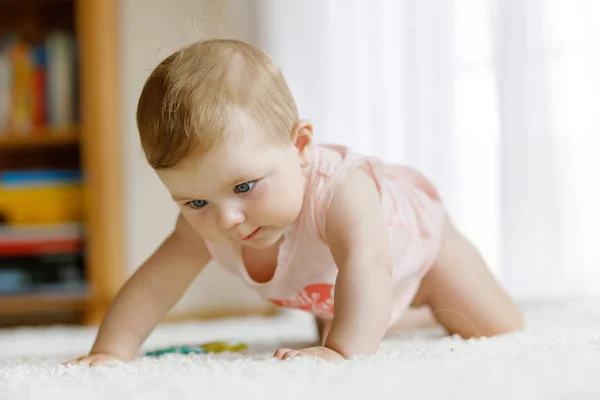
x=245, y=187
x=197, y=203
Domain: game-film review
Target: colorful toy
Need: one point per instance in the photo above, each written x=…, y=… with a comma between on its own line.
x=210, y=347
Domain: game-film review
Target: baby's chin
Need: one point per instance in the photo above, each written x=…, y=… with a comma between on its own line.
x=269, y=237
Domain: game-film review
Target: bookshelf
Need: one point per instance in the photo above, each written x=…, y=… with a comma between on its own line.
x=40, y=138
x=60, y=129
x=40, y=303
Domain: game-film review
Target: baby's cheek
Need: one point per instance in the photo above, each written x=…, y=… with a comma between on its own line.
x=202, y=225
x=280, y=206
x=268, y=202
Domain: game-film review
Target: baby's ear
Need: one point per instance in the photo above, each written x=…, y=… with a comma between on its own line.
x=302, y=138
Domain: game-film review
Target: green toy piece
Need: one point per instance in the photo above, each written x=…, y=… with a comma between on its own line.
x=210, y=347
x=219, y=347
x=177, y=350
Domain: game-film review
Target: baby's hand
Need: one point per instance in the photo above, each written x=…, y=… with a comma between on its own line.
x=318, y=351
x=92, y=360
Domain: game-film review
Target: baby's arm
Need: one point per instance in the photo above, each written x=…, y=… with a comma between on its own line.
x=149, y=294
x=357, y=234
x=358, y=238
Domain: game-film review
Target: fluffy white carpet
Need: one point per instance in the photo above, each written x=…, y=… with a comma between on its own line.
x=557, y=357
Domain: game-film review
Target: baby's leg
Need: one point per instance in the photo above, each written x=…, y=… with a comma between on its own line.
x=414, y=318
x=411, y=319
x=323, y=327
x=463, y=294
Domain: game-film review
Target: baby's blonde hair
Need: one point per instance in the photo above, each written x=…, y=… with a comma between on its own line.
x=193, y=96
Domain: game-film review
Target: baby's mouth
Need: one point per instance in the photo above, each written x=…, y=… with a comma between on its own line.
x=250, y=236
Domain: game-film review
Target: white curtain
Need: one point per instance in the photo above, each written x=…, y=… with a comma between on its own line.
x=498, y=102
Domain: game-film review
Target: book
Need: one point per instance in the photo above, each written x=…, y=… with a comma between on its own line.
x=39, y=177
x=22, y=88
x=5, y=93
x=39, y=86
x=73, y=232
x=42, y=273
x=60, y=48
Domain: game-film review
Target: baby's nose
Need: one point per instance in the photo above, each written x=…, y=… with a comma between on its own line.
x=230, y=217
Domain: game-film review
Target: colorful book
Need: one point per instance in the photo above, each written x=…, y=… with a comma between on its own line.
x=5, y=91
x=22, y=88
x=40, y=233
x=39, y=86
x=61, y=70
x=39, y=177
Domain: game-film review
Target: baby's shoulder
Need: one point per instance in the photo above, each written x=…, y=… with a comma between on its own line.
x=327, y=157
x=334, y=158
x=333, y=162
x=338, y=169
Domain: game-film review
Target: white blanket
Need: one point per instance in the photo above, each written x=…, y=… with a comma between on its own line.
x=557, y=357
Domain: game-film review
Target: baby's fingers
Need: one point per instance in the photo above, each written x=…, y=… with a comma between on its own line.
x=280, y=353
x=74, y=361
x=284, y=354
x=100, y=361
x=291, y=354
x=92, y=360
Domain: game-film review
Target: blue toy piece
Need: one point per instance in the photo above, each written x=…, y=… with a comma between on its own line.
x=176, y=350
x=211, y=347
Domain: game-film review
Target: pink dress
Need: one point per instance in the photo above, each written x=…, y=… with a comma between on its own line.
x=306, y=272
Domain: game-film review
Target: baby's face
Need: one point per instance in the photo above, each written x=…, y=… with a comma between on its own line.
x=244, y=191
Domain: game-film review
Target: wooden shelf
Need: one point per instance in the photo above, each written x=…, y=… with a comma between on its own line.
x=92, y=146
x=40, y=138
x=21, y=3
x=41, y=303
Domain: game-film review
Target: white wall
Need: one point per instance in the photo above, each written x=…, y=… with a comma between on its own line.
x=151, y=30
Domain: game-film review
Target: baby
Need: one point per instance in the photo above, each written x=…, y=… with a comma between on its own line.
x=320, y=228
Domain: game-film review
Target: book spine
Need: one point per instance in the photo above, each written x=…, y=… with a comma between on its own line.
x=21, y=113
x=39, y=86
x=61, y=83
x=5, y=87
